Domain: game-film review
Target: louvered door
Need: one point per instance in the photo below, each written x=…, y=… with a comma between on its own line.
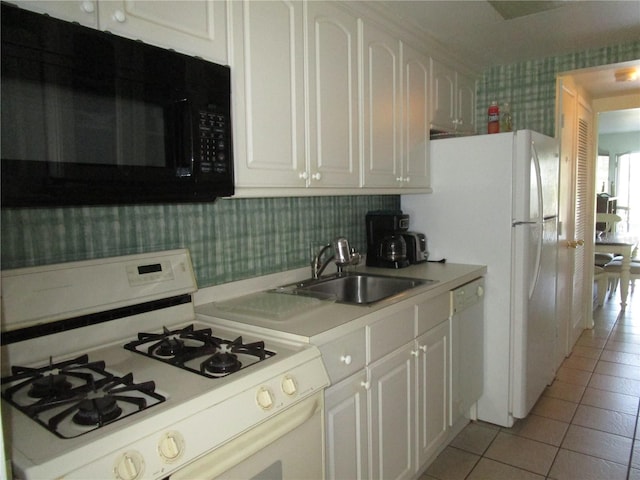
x=583, y=155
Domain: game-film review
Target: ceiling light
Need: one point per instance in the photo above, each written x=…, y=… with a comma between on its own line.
x=626, y=75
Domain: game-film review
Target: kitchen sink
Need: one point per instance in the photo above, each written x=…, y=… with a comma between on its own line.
x=355, y=288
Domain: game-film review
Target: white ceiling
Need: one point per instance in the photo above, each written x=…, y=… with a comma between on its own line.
x=489, y=33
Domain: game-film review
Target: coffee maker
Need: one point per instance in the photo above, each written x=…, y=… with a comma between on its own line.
x=386, y=246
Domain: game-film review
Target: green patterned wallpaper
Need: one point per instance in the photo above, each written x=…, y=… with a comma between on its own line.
x=530, y=87
x=229, y=240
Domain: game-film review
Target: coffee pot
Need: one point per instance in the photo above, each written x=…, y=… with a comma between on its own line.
x=386, y=246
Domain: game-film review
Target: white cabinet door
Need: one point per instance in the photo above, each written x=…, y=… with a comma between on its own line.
x=381, y=107
x=268, y=93
x=466, y=103
x=391, y=403
x=334, y=154
x=346, y=429
x=433, y=391
x=443, y=96
x=194, y=27
x=415, y=114
x=84, y=12
x=453, y=99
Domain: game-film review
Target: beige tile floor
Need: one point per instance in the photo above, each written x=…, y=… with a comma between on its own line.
x=585, y=425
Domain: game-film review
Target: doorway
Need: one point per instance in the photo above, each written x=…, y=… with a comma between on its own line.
x=597, y=91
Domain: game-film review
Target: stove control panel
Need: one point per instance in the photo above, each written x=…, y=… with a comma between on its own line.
x=144, y=273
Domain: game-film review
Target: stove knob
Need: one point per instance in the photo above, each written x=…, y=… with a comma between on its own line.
x=265, y=399
x=171, y=446
x=129, y=466
x=289, y=385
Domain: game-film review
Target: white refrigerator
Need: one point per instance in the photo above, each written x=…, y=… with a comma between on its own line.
x=495, y=202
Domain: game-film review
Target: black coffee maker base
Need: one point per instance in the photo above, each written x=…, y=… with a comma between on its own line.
x=381, y=263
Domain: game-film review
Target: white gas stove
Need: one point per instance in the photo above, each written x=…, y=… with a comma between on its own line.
x=107, y=372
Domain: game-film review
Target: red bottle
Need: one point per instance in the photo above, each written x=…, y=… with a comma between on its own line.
x=493, y=125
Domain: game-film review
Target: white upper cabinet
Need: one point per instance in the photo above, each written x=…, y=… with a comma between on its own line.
x=466, y=92
x=452, y=99
x=381, y=103
x=415, y=116
x=284, y=138
x=334, y=154
x=193, y=27
x=395, y=112
x=268, y=83
x=83, y=12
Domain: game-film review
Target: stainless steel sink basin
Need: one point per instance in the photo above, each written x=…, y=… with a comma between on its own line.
x=356, y=288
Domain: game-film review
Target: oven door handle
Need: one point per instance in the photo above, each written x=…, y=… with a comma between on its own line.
x=242, y=447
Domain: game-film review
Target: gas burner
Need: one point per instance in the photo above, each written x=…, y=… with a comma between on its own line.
x=97, y=411
x=50, y=386
x=221, y=363
x=77, y=396
x=187, y=347
x=169, y=347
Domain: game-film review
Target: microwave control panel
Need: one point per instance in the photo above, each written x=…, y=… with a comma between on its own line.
x=214, y=153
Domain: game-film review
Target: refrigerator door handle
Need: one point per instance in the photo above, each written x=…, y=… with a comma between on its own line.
x=536, y=273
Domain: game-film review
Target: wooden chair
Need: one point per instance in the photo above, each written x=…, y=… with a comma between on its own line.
x=601, y=280
x=612, y=270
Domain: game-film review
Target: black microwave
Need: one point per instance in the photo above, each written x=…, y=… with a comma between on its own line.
x=90, y=118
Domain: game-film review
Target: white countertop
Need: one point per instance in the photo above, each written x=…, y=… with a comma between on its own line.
x=321, y=322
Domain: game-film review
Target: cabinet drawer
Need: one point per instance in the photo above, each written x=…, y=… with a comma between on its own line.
x=432, y=312
x=344, y=356
x=390, y=333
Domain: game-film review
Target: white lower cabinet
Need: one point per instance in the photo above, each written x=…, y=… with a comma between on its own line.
x=433, y=392
x=389, y=419
x=392, y=410
x=346, y=429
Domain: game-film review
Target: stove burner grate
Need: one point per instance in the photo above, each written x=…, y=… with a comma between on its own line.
x=183, y=347
x=76, y=392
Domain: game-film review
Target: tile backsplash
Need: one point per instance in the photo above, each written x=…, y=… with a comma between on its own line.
x=229, y=240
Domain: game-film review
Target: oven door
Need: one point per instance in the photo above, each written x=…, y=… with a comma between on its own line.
x=288, y=446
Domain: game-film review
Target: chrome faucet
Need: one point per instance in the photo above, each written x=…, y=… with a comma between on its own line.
x=343, y=255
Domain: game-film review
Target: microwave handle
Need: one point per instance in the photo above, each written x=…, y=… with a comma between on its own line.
x=179, y=135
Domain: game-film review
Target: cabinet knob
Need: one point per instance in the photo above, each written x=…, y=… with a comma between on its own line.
x=119, y=16
x=366, y=385
x=316, y=176
x=415, y=353
x=346, y=359
x=87, y=7
x=423, y=348
x=303, y=175
x=480, y=291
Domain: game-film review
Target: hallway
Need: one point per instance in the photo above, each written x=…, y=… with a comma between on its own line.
x=585, y=426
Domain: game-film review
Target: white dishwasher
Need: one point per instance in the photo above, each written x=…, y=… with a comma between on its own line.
x=467, y=349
